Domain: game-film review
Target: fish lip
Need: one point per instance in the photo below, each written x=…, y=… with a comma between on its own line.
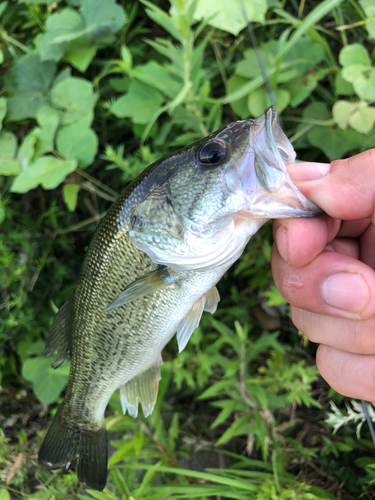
x=268, y=188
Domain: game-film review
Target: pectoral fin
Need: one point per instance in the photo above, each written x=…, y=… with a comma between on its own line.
x=190, y=323
x=212, y=300
x=58, y=340
x=141, y=389
x=149, y=283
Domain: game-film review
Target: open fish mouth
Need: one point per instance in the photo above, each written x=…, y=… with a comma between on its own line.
x=269, y=191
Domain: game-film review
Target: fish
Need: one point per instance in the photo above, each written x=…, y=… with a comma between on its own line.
x=151, y=270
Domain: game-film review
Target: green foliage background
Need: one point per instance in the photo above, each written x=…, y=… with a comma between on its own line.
x=92, y=92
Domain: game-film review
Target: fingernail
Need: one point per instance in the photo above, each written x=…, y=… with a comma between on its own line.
x=307, y=171
x=345, y=291
x=282, y=242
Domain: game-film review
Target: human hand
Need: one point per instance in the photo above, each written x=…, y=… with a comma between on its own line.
x=324, y=267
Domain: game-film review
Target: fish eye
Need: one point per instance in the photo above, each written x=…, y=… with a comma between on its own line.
x=212, y=153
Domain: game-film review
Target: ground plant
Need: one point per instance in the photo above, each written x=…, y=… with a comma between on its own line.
x=94, y=91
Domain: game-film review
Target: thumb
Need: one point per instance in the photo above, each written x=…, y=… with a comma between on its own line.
x=344, y=189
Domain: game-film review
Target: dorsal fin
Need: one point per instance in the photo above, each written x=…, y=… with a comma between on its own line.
x=141, y=389
x=58, y=340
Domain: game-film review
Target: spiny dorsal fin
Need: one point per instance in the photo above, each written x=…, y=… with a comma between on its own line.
x=141, y=389
x=212, y=300
x=190, y=323
x=58, y=340
x=149, y=283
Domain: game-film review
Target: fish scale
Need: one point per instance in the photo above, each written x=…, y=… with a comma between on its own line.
x=151, y=270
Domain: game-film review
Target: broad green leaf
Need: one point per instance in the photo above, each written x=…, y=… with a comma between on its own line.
x=342, y=86
x=4, y=494
x=48, y=118
x=354, y=54
x=8, y=147
x=126, y=57
x=3, y=110
x=1, y=56
x=47, y=171
x=259, y=101
x=62, y=27
x=24, y=105
x=80, y=54
x=363, y=80
x=76, y=97
x=27, y=149
x=70, y=196
x=239, y=106
x=335, y=142
x=158, y=76
x=77, y=142
x=341, y=111
x=30, y=74
x=363, y=117
x=140, y=103
x=102, y=19
x=47, y=382
x=369, y=7
x=228, y=16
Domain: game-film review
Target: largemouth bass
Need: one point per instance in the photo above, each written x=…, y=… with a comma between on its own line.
x=151, y=271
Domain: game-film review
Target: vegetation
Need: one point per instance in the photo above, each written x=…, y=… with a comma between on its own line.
x=92, y=92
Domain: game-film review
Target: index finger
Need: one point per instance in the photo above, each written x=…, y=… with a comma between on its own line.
x=346, y=191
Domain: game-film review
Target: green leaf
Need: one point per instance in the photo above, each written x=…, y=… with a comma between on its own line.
x=28, y=82
x=228, y=16
x=341, y=111
x=354, y=54
x=80, y=54
x=259, y=101
x=4, y=494
x=241, y=426
x=8, y=147
x=77, y=142
x=342, y=86
x=48, y=118
x=102, y=19
x=158, y=76
x=48, y=383
x=369, y=7
x=62, y=27
x=25, y=105
x=362, y=118
x=274, y=297
x=70, y=196
x=3, y=110
x=239, y=106
x=76, y=97
x=30, y=74
x=335, y=142
x=47, y=171
x=27, y=149
x=140, y=103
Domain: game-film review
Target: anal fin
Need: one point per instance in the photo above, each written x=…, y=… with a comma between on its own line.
x=143, y=389
x=58, y=340
x=149, y=283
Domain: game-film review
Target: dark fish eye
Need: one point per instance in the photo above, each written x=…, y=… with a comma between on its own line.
x=212, y=153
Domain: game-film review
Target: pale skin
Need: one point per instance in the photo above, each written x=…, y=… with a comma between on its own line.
x=325, y=268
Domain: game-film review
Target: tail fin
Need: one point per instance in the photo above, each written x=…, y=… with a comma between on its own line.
x=63, y=444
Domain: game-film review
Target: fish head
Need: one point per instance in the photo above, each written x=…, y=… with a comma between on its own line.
x=215, y=194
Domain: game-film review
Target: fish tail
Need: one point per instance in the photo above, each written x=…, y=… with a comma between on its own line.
x=63, y=444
